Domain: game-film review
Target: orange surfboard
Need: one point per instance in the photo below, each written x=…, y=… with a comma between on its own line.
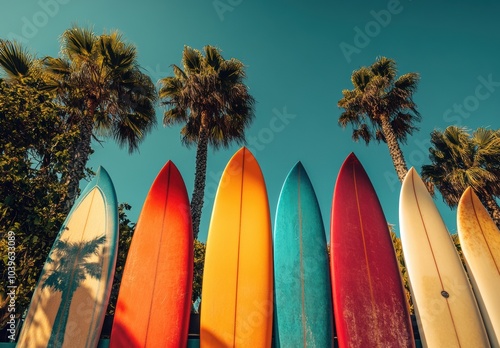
x=154, y=301
x=237, y=294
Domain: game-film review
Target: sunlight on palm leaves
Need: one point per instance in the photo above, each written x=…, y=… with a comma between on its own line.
x=459, y=160
x=381, y=107
x=15, y=60
x=98, y=80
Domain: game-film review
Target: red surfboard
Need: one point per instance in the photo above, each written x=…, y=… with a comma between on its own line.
x=369, y=301
x=154, y=301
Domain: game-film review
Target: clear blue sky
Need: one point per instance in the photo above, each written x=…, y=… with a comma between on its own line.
x=299, y=56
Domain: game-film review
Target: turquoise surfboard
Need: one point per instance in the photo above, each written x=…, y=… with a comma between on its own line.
x=303, y=306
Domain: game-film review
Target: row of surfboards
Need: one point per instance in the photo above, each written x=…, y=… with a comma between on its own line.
x=266, y=287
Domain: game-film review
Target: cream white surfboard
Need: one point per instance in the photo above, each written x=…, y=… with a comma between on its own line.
x=70, y=300
x=480, y=242
x=446, y=309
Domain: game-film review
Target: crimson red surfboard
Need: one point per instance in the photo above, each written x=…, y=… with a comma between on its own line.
x=369, y=301
x=154, y=301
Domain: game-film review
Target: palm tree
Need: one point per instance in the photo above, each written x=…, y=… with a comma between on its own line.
x=210, y=99
x=72, y=265
x=381, y=107
x=101, y=85
x=460, y=160
x=99, y=81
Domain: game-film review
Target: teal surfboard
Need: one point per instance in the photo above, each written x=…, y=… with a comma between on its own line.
x=72, y=294
x=303, y=306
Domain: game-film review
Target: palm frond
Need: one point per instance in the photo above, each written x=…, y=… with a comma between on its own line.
x=78, y=43
x=407, y=83
x=117, y=55
x=231, y=71
x=170, y=87
x=175, y=115
x=213, y=57
x=363, y=133
x=460, y=160
x=57, y=66
x=15, y=60
x=360, y=78
x=192, y=60
x=384, y=67
x=179, y=73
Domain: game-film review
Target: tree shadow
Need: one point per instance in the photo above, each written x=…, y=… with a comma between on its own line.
x=72, y=265
x=65, y=299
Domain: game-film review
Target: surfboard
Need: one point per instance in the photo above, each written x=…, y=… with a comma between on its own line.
x=303, y=298
x=446, y=309
x=368, y=295
x=69, y=302
x=237, y=300
x=154, y=301
x=480, y=243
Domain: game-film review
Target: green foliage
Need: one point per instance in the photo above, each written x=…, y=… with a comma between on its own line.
x=458, y=246
x=34, y=142
x=396, y=242
x=126, y=229
x=199, y=263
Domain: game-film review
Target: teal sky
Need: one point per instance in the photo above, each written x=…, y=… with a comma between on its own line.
x=299, y=56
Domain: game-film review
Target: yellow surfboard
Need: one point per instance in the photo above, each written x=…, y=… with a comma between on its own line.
x=237, y=293
x=480, y=242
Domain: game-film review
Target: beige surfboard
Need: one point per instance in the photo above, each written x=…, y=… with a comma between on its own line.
x=447, y=312
x=480, y=242
x=70, y=300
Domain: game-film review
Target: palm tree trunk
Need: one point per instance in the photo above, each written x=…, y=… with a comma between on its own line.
x=79, y=156
x=200, y=175
x=394, y=149
x=493, y=209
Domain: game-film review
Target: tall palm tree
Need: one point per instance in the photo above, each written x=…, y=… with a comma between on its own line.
x=381, y=107
x=101, y=85
x=66, y=277
x=460, y=160
x=211, y=100
x=100, y=82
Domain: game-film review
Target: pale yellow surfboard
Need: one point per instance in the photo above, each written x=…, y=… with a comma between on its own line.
x=480, y=242
x=237, y=293
x=70, y=300
x=446, y=309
